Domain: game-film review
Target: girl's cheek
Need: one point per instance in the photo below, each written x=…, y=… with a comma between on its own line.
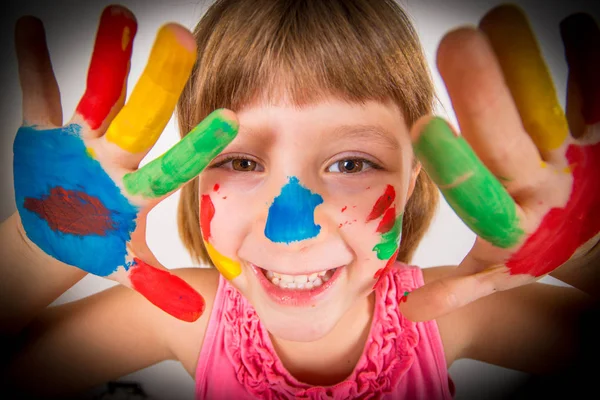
x=372, y=225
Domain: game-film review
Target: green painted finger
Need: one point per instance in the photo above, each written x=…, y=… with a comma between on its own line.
x=469, y=187
x=186, y=159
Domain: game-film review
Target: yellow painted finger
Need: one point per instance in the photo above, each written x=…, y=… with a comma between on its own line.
x=141, y=121
x=527, y=76
x=226, y=266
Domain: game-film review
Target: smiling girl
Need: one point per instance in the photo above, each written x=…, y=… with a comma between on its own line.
x=304, y=190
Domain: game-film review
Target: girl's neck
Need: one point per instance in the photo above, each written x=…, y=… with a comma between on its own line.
x=331, y=359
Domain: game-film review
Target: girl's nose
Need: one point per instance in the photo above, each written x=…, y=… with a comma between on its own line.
x=291, y=216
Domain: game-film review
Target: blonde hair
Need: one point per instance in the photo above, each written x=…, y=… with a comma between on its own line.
x=259, y=50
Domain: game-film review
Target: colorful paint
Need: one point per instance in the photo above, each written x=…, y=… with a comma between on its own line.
x=291, y=216
x=226, y=266
x=68, y=205
x=166, y=291
x=150, y=105
x=109, y=66
x=382, y=203
x=527, y=76
x=563, y=230
x=186, y=159
x=472, y=191
x=383, y=271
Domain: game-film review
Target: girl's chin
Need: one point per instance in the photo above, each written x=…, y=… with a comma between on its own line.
x=299, y=327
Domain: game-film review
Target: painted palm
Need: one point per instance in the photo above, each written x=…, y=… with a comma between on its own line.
x=80, y=194
x=522, y=176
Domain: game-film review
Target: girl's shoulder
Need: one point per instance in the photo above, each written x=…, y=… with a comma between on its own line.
x=185, y=338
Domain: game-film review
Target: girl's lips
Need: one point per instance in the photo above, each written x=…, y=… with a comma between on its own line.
x=293, y=297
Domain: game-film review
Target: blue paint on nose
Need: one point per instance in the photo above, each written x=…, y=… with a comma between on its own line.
x=291, y=216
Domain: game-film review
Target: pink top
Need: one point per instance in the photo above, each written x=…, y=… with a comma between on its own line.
x=401, y=359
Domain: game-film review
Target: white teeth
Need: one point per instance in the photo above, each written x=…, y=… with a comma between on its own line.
x=307, y=282
x=301, y=279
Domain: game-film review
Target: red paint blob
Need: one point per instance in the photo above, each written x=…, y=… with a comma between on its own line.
x=344, y=208
x=388, y=220
x=71, y=211
x=109, y=66
x=166, y=291
x=216, y=187
x=383, y=271
x=563, y=230
x=382, y=203
x=207, y=212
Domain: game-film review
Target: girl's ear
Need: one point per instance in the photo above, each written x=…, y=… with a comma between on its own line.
x=413, y=178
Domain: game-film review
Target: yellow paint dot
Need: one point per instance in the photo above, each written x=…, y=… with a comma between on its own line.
x=543, y=164
x=226, y=266
x=125, y=38
x=90, y=152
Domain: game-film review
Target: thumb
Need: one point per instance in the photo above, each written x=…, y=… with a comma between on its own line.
x=165, y=290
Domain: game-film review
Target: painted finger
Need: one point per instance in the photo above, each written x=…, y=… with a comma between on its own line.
x=108, y=71
x=41, y=96
x=143, y=118
x=168, y=292
x=527, y=77
x=186, y=159
x=471, y=190
x=488, y=117
x=447, y=294
x=581, y=38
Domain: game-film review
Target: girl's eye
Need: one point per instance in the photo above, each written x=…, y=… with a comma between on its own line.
x=243, y=165
x=351, y=166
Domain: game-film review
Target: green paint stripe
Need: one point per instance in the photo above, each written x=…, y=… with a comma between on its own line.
x=185, y=160
x=469, y=187
x=390, y=240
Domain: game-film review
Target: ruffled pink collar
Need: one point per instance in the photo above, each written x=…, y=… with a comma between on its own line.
x=388, y=353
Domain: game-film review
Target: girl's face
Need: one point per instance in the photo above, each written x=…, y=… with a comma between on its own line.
x=311, y=197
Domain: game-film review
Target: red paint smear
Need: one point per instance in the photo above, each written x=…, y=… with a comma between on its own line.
x=388, y=220
x=383, y=271
x=344, y=208
x=382, y=203
x=404, y=297
x=207, y=212
x=71, y=211
x=216, y=187
x=563, y=230
x=166, y=291
x=109, y=66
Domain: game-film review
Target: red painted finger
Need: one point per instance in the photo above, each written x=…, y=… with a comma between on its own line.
x=41, y=97
x=581, y=38
x=109, y=67
x=166, y=291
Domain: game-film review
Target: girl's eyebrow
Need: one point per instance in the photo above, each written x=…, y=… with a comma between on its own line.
x=366, y=133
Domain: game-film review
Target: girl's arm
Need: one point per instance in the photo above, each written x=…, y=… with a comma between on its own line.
x=78, y=345
x=534, y=328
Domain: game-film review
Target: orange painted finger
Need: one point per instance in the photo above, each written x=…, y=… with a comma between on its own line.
x=485, y=109
x=527, y=77
x=141, y=121
x=109, y=67
x=41, y=96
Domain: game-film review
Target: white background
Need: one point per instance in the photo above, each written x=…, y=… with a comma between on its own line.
x=71, y=28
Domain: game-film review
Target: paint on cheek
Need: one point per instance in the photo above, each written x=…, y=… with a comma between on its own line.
x=216, y=187
x=166, y=291
x=109, y=66
x=207, y=212
x=69, y=206
x=291, y=216
x=387, y=221
x=382, y=203
x=563, y=230
x=71, y=211
x=390, y=240
x=383, y=271
x=226, y=266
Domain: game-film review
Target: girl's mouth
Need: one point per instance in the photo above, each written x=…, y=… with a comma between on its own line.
x=296, y=290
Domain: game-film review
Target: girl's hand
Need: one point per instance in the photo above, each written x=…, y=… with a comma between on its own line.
x=80, y=195
x=523, y=176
